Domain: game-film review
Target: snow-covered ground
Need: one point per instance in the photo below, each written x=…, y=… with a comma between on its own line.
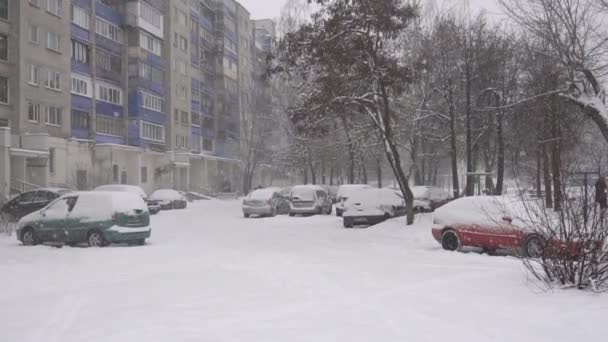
x=207, y=274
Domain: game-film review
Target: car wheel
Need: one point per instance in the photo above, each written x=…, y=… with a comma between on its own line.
x=534, y=246
x=273, y=213
x=450, y=240
x=28, y=237
x=338, y=212
x=292, y=214
x=95, y=239
x=348, y=223
x=246, y=215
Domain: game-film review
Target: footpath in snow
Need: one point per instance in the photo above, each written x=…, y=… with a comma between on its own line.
x=207, y=274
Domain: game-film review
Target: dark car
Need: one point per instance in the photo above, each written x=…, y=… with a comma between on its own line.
x=30, y=201
x=169, y=199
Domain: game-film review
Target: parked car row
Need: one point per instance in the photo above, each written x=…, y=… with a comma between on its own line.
x=358, y=204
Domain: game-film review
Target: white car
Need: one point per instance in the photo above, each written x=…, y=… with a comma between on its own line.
x=344, y=192
x=309, y=200
x=262, y=202
x=169, y=199
x=153, y=206
x=372, y=206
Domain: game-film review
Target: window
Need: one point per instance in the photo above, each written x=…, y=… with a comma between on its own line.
x=180, y=66
x=176, y=116
x=109, y=93
x=54, y=7
x=3, y=89
x=3, y=47
x=108, y=61
x=109, y=126
x=80, y=52
x=108, y=30
x=115, y=173
x=53, y=80
x=80, y=16
x=195, y=119
x=4, y=9
x=181, y=91
x=34, y=74
x=53, y=41
x=51, y=160
x=81, y=86
x=150, y=43
x=33, y=112
x=152, y=102
x=80, y=119
x=184, y=117
x=34, y=34
x=183, y=43
x=144, y=174
x=146, y=71
x=152, y=132
x=207, y=145
x=182, y=17
x=53, y=116
x=150, y=14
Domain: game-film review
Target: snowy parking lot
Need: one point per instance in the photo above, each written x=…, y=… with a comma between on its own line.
x=208, y=274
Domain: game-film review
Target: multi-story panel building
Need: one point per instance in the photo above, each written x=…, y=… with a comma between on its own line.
x=145, y=92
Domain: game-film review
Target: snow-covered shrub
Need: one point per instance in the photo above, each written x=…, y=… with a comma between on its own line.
x=573, y=241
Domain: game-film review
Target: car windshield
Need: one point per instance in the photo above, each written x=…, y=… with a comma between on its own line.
x=303, y=194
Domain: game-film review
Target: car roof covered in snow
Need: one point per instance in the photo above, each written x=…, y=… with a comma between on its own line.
x=375, y=197
x=265, y=193
x=117, y=200
x=122, y=188
x=166, y=194
x=481, y=210
x=347, y=189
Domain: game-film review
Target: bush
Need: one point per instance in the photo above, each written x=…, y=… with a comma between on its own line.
x=574, y=253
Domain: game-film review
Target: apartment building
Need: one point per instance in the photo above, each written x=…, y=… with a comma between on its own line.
x=144, y=92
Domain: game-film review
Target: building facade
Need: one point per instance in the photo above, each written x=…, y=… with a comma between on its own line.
x=143, y=92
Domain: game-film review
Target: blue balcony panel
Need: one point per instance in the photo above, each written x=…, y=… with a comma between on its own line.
x=80, y=133
x=109, y=14
x=86, y=4
x=80, y=34
x=109, y=139
x=80, y=68
x=109, y=109
x=109, y=44
x=81, y=103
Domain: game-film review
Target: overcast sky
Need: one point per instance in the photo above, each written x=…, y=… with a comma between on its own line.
x=262, y=9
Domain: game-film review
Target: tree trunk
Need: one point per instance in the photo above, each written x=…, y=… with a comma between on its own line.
x=305, y=176
x=538, y=172
x=392, y=154
x=547, y=178
x=323, y=180
x=351, y=152
x=470, y=185
x=331, y=174
x=363, y=170
x=379, y=172
x=500, y=162
x=453, y=145
x=556, y=161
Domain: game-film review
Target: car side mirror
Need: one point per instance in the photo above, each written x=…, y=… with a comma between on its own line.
x=507, y=219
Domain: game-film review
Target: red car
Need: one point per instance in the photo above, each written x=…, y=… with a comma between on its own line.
x=488, y=223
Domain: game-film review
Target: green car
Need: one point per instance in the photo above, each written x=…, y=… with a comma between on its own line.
x=96, y=218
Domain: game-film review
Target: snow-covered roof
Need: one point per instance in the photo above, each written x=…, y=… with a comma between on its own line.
x=263, y=194
x=122, y=188
x=166, y=195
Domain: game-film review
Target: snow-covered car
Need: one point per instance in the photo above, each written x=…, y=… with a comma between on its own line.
x=169, y=199
x=429, y=198
x=309, y=200
x=95, y=217
x=263, y=202
x=372, y=206
x=153, y=206
x=495, y=223
x=344, y=192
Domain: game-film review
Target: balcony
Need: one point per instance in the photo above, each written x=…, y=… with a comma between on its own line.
x=140, y=14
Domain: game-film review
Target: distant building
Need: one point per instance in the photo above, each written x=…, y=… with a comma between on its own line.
x=144, y=92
